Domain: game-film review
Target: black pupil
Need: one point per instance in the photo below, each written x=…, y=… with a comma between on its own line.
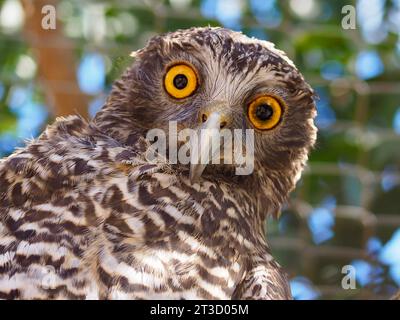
x=264, y=112
x=180, y=81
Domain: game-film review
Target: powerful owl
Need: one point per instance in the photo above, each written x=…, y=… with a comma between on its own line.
x=84, y=213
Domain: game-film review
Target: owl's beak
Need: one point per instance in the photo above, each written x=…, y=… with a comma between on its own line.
x=205, y=149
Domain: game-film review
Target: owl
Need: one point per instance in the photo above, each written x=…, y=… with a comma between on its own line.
x=84, y=214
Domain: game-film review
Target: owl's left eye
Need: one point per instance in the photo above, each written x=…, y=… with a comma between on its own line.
x=180, y=81
x=265, y=112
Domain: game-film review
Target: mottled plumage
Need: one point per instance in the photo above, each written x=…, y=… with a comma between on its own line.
x=84, y=215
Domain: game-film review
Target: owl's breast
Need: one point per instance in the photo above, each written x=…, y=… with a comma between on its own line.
x=166, y=239
x=170, y=269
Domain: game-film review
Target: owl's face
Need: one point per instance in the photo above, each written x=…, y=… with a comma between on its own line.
x=190, y=76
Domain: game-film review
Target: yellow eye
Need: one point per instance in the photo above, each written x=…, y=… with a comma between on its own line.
x=180, y=81
x=265, y=112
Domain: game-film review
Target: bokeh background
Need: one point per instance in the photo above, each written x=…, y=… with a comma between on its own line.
x=346, y=209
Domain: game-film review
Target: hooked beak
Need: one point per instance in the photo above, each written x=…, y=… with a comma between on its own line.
x=206, y=147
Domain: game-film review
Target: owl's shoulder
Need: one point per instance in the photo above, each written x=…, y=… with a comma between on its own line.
x=68, y=152
x=63, y=165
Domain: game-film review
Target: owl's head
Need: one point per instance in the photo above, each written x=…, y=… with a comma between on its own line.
x=218, y=78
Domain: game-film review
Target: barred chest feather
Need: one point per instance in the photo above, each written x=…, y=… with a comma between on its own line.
x=171, y=241
x=88, y=219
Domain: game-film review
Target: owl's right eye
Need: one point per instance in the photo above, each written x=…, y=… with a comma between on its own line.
x=180, y=81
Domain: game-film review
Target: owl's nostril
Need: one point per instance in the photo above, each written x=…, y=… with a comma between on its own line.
x=223, y=124
x=204, y=117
